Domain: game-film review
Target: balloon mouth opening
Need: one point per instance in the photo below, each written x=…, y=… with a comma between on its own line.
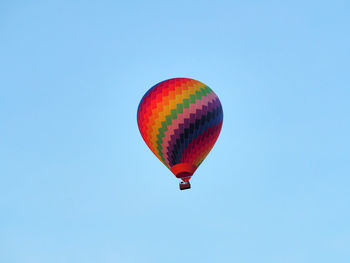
x=184, y=171
x=184, y=176
x=186, y=179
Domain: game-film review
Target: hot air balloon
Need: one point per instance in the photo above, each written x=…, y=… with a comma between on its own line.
x=180, y=120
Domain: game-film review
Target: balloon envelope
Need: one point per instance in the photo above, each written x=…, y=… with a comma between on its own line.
x=180, y=120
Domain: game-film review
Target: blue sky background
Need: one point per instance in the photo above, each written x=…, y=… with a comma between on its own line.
x=78, y=184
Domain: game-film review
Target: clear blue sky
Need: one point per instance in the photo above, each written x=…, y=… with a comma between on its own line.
x=77, y=182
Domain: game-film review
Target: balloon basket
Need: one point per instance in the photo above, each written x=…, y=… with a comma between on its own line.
x=184, y=185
